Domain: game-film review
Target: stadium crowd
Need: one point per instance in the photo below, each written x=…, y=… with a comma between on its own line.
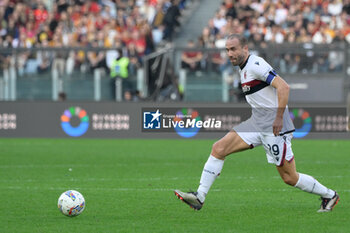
x=265, y=22
x=138, y=26
x=135, y=26
x=299, y=21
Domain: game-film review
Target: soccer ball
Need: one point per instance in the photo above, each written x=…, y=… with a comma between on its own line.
x=71, y=203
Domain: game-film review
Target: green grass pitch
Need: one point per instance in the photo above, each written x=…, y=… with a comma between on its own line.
x=128, y=187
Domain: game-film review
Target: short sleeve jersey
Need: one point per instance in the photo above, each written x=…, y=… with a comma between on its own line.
x=256, y=78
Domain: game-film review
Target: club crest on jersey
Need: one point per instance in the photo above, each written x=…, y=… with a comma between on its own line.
x=245, y=88
x=245, y=74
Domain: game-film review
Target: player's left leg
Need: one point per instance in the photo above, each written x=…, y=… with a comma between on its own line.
x=302, y=181
x=309, y=184
x=279, y=151
x=288, y=173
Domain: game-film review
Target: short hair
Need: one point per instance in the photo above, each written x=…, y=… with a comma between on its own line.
x=242, y=40
x=62, y=96
x=190, y=41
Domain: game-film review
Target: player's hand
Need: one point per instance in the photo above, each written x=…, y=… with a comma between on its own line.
x=277, y=126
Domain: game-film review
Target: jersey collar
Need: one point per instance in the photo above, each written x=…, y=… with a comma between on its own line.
x=245, y=63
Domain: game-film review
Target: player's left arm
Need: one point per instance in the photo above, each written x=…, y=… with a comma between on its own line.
x=282, y=88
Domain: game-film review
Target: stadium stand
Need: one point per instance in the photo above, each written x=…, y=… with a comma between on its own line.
x=140, y=27
x=136, y=25
x=285, y=22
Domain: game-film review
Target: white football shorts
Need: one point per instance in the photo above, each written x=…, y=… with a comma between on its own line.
x=277, y=148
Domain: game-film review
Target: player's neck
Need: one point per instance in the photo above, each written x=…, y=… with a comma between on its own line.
x=241, y=66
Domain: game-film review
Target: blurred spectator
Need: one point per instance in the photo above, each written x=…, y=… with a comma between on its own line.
x=44, y=57
x=97, y=59
x=127, y=95
x=62, y=96
x=159, y=15
x=40, y=14
x=336, y=61
x=219, y=60
x=219, y=20
x=289, y=64
x=190, y=60
x=321, y=65
x=135, y=59
x=212, y=29
x=119, y=73
x=335, y=7
x=170, y=20
x=60, y=56
x=206, y=38
x=137, y=96
x=346, y=6
x=231, y=10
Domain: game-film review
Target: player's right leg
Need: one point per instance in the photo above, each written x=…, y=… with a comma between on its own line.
x=227, y=145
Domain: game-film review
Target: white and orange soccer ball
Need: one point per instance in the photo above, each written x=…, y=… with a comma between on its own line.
x=71, y=203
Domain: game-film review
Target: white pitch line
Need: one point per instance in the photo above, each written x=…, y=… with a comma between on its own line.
x=79, y=188
x=97, y=179
x=143, y=179
x=61, y=165
x=80, y=165
x=145, y=189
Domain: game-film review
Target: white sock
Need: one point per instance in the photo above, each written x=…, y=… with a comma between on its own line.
x=211, y=170
x=309, y=184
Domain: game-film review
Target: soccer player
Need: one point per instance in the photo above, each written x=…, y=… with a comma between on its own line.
x=270, y=125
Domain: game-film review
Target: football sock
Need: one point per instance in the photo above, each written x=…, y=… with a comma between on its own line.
x=211, y=170
x=309, y=184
